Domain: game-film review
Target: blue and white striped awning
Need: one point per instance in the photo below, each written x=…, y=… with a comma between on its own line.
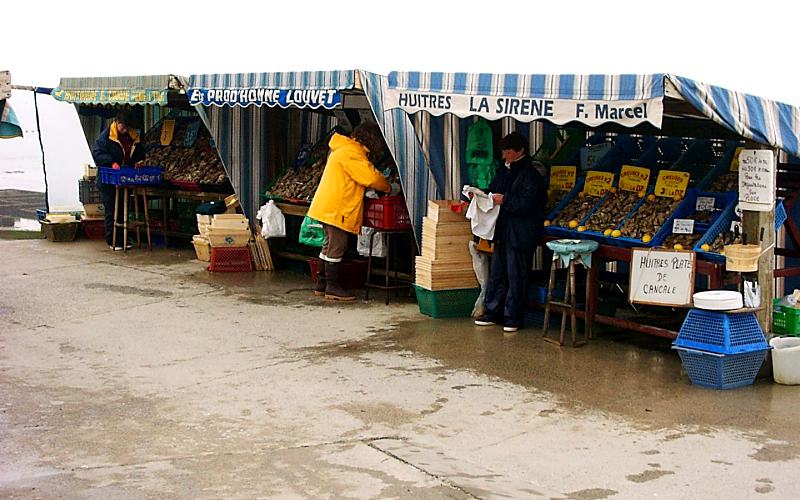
x=300, y=89
x=627, y=100
x=144, y=89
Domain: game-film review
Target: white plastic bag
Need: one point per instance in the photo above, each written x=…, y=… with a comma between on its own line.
x=378, y=243
x=752, y=294
x=480, y=264
x=273, y=224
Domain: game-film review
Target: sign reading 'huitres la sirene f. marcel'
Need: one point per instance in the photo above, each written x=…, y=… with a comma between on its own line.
x=559, y=111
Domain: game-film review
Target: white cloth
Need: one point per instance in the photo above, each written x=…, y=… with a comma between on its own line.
x=482, y=212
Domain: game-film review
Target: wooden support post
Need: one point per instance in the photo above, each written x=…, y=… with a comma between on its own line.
x=753, y=223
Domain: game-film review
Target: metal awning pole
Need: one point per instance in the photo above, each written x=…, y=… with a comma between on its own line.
x=41, y=146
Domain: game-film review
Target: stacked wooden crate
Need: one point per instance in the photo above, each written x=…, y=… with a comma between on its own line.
x=445, y=263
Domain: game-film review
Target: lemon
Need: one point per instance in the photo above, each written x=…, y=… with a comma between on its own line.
x=646, y=238
x=546, y=223
x=705, y=247
x=613, y=189
x=640, y=194
x=581, y=228
x=678, y=246
x=581, y=194
x=616, y=233
x=677, y=197
x=573, y=224
x=607, y=232
x=651, y=197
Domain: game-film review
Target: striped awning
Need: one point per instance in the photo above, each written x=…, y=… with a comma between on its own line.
x=9, y=124
x=594, y=100
x=299, y=89
x=150, y=89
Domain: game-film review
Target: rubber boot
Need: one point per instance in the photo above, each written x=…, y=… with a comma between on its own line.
x=334, y=291
x=319, y=291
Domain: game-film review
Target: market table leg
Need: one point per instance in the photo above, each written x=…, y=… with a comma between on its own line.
x=592, y=281
x=369, y=265
x=388, y=249
x=164, y=214
x=136, y=219
x=147, y=221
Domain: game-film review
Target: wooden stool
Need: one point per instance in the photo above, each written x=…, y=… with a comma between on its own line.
x=569, y=306
x=129, y=192
x=391, y=254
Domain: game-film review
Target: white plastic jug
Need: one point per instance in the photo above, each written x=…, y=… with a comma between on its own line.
x=786, y=360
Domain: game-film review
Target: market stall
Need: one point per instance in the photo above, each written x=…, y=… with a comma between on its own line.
x=655, y=149
x=271, y=130
x=9, y=124
x=173, y=135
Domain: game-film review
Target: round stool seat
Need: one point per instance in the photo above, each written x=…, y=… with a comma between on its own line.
x=568, y=249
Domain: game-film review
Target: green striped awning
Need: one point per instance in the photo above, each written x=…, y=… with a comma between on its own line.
x=151, y=89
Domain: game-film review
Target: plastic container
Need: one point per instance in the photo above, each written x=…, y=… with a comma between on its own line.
x=457, y=303
x=785, y=319
x=721, y=333
x=722, y=224
x=231, y=260
x=88, y=191
x=353, y=273
x=786, y=360
x=131, y=176
x=94, y=229
x=202, y=248
x=387, y=213
x=718, y=300
x=721, y=371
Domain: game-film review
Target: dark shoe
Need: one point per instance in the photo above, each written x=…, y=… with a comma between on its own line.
x=333, y=290
x=484, y=321
x=319, y=291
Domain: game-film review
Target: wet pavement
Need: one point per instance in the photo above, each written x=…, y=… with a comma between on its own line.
x=144, y=376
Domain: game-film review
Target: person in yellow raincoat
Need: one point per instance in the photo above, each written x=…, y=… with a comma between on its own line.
x=339, y=201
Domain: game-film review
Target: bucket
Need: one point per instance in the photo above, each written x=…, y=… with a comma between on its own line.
x=742, y=258
x=786, y=360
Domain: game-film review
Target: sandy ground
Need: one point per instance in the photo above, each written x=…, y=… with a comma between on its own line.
x=144, y=376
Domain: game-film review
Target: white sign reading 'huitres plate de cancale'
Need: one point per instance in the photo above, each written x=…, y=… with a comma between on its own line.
x=661, y=277
x=757, y=180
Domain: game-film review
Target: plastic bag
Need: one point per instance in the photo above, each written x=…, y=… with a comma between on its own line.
x=311, y=232
x=480, y=264
x=378, y=243
x=273, y=224
x=752, y=294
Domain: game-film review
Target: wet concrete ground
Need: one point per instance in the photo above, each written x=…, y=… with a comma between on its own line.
x=143, y=376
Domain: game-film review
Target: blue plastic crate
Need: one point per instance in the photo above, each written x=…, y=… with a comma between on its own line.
x=722, y=166
x=721, y=333
x=535, y=318
x=687, y=209
x=721, y=224
x=538, y=293
x=130, y=176
x=721, y=371
x=780, y=215
x=620, y=241
x=567, y=198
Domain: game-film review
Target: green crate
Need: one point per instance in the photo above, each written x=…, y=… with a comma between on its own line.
x=785, y=320
x=447, y=303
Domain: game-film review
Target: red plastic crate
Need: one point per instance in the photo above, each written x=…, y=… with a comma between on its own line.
x=388, y=213
x=353, y=274
x=230, y=260
x=94, y=229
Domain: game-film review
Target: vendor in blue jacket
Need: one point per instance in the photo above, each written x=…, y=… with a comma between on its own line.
x=118, y=145
x=520, y=191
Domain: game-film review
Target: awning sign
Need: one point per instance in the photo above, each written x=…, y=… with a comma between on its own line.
x=559, y=111
x=132, y=96
x=299, y=98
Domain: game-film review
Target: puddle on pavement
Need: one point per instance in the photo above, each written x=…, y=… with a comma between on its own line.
x=635, y=376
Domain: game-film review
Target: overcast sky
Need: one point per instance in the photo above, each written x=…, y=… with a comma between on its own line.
x=746, y=46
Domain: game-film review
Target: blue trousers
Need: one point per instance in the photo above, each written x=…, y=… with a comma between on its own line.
x=507, y=289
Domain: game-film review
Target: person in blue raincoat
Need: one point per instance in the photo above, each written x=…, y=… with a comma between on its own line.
x=520, y=191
